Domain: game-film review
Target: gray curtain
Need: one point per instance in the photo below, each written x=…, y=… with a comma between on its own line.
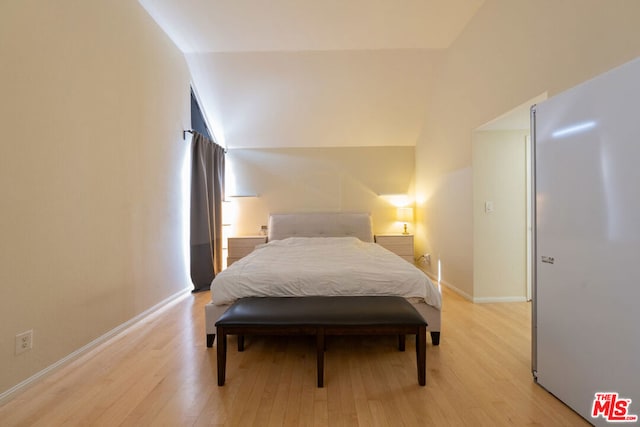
x=207, y=187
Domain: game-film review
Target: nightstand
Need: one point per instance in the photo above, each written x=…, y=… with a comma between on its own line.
x=399, y=244
x=239, y=247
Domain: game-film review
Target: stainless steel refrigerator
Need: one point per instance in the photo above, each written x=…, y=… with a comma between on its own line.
x=586, y=294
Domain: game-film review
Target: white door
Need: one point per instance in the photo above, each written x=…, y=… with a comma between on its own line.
x=587, y=334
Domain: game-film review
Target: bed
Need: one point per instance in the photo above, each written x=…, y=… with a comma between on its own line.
x=328, y=254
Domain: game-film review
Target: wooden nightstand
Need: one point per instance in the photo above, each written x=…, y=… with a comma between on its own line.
x=239, y=247
x=399, y=244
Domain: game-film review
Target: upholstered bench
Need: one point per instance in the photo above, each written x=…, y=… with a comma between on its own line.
x=322, y=316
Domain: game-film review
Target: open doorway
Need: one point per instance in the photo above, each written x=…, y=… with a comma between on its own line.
x=502, y=181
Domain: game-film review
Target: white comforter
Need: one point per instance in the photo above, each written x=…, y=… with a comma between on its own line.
x=304, y=266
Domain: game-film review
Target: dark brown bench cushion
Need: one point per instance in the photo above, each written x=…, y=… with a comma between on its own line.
x=321, y=311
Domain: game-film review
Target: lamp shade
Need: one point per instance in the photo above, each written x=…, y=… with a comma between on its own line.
x=405, y=214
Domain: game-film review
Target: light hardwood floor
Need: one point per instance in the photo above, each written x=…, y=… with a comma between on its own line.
x=160, y=372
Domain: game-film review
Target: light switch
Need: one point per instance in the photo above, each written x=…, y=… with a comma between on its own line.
x=488, y=207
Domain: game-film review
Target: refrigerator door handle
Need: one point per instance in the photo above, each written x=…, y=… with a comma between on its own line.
x=534, y=256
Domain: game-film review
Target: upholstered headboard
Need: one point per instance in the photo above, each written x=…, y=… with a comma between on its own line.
x=333, y=224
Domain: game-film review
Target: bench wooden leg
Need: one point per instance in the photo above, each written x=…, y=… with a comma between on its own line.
x=240, y=342
x=435, y=338
x=401, y=342
x=320, y=343
x=222, y=354
x=210, y=338
x=421, y=354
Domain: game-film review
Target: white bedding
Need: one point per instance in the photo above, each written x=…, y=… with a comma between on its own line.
x=305, y=266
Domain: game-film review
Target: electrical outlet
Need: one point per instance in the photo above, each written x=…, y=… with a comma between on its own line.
x=424, y=259
x=24, y=341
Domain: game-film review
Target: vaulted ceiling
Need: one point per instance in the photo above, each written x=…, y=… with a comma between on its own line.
x=292, y=73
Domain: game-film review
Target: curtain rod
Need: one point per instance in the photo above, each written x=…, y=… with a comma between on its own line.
x=185, y=132
x=191, y=131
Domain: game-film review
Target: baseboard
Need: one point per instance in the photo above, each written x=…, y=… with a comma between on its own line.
x=483, y=300
x=463, y=294
x=458, y=291
x=434, y=279
x=167, y=302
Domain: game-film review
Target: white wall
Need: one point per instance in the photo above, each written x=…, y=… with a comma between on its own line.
x=315, y=98
x=509, y=53
x=94, y=98
x=499, y=237
x=348, y=179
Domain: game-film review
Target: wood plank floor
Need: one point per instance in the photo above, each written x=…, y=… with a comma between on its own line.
x=160, y=372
